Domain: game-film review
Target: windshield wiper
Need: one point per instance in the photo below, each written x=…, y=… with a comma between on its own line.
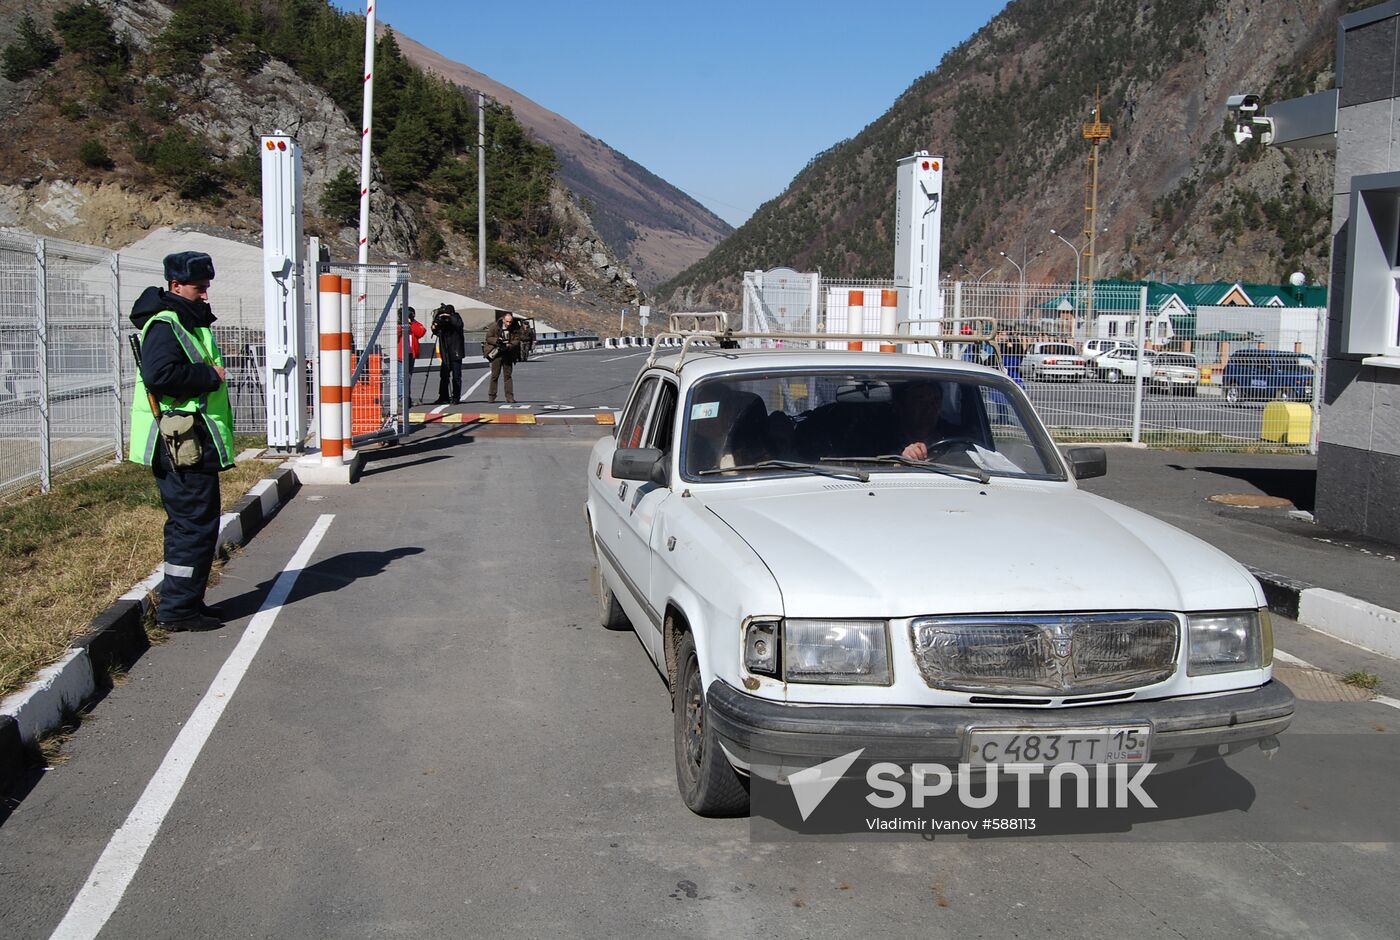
x=978, y=474
x=817, y=468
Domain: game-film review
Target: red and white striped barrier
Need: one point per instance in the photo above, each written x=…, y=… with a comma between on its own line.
x=855, y=318
x=889, y=317
x=333, y=400
x=346, y=411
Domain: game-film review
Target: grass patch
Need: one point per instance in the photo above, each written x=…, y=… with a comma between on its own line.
x=1362, y=680
x=66, y=555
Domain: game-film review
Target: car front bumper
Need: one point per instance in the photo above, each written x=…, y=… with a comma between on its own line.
x=774, y=738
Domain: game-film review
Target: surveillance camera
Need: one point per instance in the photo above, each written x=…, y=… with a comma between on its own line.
x=1245, y=113
x=1244, y=105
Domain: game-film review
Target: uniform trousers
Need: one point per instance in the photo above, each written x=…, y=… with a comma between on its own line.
x=191, y=501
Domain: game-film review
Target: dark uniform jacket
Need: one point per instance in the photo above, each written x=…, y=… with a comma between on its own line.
x=165, y=368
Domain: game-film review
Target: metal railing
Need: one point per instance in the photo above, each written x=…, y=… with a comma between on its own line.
x=66, y=376
x=1196, y=377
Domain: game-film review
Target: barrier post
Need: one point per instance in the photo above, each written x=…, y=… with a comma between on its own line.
x=889, y=317
x=328, y=368
x=346, y=373
x=855, y=318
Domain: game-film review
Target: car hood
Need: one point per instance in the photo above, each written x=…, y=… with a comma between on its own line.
x=901, y=548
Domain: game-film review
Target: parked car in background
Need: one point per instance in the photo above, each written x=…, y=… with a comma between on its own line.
x=809, y=582
x=1053, y=361
x=1267, y=374
x=1095, y=348
x=1174, y=373
x=1114, y=364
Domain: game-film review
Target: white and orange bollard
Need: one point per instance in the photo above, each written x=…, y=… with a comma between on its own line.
x=328, y=368
x=889, y=317
x=855, y=318
x=346, y=373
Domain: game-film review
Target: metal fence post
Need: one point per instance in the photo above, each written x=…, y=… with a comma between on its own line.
x=1320, y=364
x=1137, y=371
x=118, y=419
x=41, y=332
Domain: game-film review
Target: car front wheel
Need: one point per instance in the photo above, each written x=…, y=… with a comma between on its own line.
x=709, y=785
x=1112, y=376
x=1232, y=394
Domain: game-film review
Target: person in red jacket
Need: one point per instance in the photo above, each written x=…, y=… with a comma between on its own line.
x=416, y=331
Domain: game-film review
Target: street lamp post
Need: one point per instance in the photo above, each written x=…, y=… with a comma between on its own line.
x=1070, y=245
x=1021, y=292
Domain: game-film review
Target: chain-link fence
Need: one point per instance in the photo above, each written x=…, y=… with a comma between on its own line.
x=66, y=372
x=1126, y=361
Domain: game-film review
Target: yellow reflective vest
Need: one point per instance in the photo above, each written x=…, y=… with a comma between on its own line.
x=214, y=407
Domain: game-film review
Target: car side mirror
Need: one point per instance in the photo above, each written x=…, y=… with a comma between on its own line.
x=1087, y=462
x=643, y=464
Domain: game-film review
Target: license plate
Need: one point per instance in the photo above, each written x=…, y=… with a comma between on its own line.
x=1112, y=744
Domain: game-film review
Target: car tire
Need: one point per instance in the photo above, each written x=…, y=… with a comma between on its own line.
x=709, y=784
x=1285, y=394
x=1028, y=373
x=1113, y=376
x=610, y=612
x=1191, y=392
x=1232, y=394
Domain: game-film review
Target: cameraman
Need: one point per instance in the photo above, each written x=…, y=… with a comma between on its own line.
x=452, y=347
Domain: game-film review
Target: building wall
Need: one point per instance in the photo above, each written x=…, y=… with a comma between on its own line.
x=1358, y=465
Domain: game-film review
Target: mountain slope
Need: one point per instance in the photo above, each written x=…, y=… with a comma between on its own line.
x=656, y=229
x=1005, y=109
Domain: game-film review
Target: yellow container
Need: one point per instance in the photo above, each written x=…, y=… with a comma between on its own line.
x=1286, y=422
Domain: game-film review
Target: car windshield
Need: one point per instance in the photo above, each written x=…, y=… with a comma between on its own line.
x=927, y=421
x=1055, y=349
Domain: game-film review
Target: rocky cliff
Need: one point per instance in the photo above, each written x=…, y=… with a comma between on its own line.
x=1005, y=109
x=655, y=229
x=106, y=144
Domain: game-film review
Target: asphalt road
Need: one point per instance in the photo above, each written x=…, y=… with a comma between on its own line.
x=437, y=739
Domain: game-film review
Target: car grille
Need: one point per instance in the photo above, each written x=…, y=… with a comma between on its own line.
x=1039, y=654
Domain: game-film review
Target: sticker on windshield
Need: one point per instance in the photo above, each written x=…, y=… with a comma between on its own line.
x=704, y=409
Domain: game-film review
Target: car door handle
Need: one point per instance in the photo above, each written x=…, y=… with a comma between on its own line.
x=622, y=491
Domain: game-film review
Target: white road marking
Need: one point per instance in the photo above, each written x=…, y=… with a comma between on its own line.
x=1387, y=700
x=440, y=409
x=117, y=866
x=1291, y=659
x=477, y=384
x=619, y=358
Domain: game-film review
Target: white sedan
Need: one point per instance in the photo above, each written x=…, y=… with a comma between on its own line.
x=825, y=551
x=1117, y=364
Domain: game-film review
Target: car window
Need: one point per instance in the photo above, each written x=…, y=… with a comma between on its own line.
x=826, y=416
x=1058, y=349
x=663, y=421
x=633, y=426
x=1169, y=359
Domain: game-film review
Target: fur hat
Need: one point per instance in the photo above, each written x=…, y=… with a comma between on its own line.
x=188, y=267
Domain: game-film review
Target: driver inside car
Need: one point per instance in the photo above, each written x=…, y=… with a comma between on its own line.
x=917, y=406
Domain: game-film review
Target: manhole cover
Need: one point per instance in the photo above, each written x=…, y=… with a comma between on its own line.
x=1315, y=685
x=1251, y=501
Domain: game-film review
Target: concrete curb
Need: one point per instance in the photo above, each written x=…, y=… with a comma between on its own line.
x=1338, y=615
x=116, y=638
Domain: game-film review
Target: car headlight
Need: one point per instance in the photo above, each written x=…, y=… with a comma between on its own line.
x=1229, y=642
x=761, y=646
x=839, y=652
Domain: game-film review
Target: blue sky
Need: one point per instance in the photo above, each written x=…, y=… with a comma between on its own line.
x=725, y=100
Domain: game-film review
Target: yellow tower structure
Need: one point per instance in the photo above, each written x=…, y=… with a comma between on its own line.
x=1095, y=132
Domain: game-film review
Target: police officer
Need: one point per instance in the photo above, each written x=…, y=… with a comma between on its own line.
x=182, y=378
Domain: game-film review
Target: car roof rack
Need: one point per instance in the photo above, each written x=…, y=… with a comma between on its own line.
x=694, y=329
